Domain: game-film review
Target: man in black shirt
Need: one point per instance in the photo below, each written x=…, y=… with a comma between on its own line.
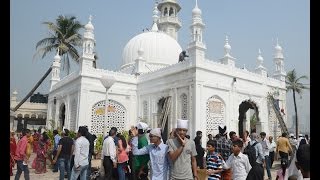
x=64, y=152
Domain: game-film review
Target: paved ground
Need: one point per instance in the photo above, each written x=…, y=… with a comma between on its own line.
x=49, y=175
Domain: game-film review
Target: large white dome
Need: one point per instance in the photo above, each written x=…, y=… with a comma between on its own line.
x=158, y=47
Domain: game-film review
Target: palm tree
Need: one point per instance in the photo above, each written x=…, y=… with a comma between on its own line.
x=293, y=84
x=64, y=35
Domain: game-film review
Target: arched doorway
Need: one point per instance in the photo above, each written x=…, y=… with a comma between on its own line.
x=62, y=115
x=163, y=115
x=254, y=117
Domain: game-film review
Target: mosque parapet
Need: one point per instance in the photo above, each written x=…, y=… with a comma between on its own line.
x=65, y=80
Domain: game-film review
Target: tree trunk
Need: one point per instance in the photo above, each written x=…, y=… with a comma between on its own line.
x=33, y=89
x=295, y=110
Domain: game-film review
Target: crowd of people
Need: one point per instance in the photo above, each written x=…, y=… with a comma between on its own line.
x=144, y=154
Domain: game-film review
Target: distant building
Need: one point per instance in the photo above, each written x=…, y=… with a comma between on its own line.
x=39, y=98
x=31, y=114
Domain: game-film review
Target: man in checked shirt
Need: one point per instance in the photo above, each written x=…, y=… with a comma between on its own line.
x=223, y=146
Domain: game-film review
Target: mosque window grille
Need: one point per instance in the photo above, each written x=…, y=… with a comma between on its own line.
x=184, y=106
x=215, y=114
x=73, y=117
x=116, y=117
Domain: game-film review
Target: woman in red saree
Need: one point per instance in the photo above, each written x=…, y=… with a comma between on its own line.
x=40, y=160
x=36, y=137
x=13, y=147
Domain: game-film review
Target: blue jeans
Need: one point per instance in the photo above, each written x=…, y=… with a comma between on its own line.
x=64, y=164
x=89, y=166
x=55, y=166
x=268, y=166
x=82, y=172
x=20, y=168
x=121, y=172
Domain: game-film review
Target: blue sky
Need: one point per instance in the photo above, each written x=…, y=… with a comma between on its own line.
x=249, y=24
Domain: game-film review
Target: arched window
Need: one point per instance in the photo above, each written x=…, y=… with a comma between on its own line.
x=165, y=12
x=171, y=12
x=184, y=106
x=215, y=110
x=116, y=117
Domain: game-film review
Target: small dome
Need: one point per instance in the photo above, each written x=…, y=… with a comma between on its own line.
x=196, y=11
x=57, y=57
x=278, y=48
x=158, y=48
x=89, y=26
x=15, y=92
x=227, y=47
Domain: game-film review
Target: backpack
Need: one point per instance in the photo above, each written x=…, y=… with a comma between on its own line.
x=250, y=151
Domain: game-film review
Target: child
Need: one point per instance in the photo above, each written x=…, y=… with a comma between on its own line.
x=282, y=172
x=214, y=162
x=238, y=162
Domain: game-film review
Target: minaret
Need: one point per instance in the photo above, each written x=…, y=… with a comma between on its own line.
x=196, y=47
x=55, y=72
x=87, y=57
x=227, y=58
x=169, y=21
x=14, y=96
x=278, y=59
x=260, y=69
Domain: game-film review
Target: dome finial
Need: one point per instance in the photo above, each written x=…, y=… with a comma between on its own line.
x=227, y=47
x=90, y=18
x=155, y=17
x=196, y=3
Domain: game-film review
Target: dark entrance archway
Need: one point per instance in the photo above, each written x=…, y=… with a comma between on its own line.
x=243, y=108
x=161, y=106
x=62, y=115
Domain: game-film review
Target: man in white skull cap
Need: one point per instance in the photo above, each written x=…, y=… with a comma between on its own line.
x=140, y=162
x=182, y=153
x=158, y=152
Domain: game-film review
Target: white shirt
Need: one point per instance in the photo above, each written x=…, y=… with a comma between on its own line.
x=240, y=166
x=109, y=149
x=81, y=151
x=265, y=146
x=273, y=146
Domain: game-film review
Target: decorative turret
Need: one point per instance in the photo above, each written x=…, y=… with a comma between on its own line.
x=196, y=47
x=55, y=72
x=227, y=58
x=14, y=96
x=169, y=21
x=260, y=69
x=278, y=59
x=88, y=46
x=140, y=65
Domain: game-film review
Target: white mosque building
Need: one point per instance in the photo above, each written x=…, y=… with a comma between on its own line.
x=152, y=86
